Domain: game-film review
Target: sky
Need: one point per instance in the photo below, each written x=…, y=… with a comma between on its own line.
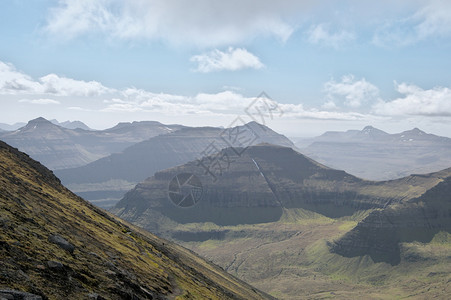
x=322, y=65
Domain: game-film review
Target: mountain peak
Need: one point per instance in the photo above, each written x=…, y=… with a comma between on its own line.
x=39, y=120
x=38, y=123
x=254, y=124
x=370, y=130
x=416, y=131
x=71, y=124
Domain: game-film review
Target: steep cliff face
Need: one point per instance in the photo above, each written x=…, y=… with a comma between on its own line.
x=58, y=246
x=254, y=186
x=381, y=233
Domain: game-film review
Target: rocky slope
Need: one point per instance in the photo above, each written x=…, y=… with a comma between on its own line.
x=134, y=164
x=55, y=245
x=376, y=155
x=58, y=147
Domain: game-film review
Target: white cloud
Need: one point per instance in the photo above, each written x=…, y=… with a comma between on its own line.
x=62, y=86
x=321, y=35
x=222, y=105
x=416, y=101
x=226, y=103
x=232, y=59
x=14, y=82
x=429, y=21
x=351, y=92
x=40, y=101
x=202, y=23
x=329, y=105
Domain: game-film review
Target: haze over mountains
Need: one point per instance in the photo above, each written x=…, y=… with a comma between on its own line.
x=71, y=124
x=274, y=216
x=8, y=127
x=55, y=245
x=58, y=147
x=106, y=180
x=374, y=154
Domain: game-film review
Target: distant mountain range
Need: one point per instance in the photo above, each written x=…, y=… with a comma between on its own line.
x=8, y=127
x=106, y=180
x=276, y=216
x=71, y=124
x=58, y=147
x=55, y=245
x=374, y=154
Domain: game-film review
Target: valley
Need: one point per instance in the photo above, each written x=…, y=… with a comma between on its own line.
x=225, y=150
x=297, y=229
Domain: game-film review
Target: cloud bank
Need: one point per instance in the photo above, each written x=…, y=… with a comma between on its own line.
x=207, y=23
x=215, y=23
x=14, y=82
x=348, y=99
x=417, y=102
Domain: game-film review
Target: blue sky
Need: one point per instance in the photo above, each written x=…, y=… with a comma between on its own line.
x=328, y=65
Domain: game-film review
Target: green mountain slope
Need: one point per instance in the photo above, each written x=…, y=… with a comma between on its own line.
x=56, y=245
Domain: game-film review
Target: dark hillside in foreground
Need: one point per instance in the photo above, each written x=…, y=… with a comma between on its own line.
x=56, y=245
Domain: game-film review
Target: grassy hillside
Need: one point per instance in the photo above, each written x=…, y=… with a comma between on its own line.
x=56, y=245
x=291, y=259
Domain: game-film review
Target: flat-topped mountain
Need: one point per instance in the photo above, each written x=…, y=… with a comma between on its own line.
x=374, y=154
x=95, y=180
x=255, y=186
x=55, y=245
x=58, y=147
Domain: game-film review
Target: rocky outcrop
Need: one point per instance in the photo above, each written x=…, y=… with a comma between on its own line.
x=62, y=242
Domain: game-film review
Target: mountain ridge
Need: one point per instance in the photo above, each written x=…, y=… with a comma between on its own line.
x=376, y=155
x=58, y=147
x=143, y=159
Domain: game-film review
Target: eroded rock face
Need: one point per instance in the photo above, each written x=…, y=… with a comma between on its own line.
x=380, y=234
